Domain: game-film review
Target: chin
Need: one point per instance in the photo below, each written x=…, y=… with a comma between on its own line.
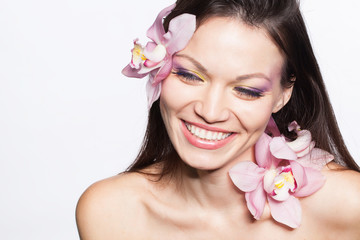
x=240, y=149
x=209, y=160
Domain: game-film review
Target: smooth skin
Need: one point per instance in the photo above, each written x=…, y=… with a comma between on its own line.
x=223, y=58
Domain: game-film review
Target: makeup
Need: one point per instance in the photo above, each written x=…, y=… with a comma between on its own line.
x=246, y=87
x=188, y=74
x=249, y=93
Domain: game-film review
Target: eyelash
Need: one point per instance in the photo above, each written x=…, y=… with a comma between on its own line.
x=187, y=76
x=246, y=93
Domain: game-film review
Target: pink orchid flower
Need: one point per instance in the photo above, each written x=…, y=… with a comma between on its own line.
x=284, y=172
x=155, y=59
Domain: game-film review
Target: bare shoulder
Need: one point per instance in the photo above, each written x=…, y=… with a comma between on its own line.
x=110, y=208
x=345, y=187
x=338, y=202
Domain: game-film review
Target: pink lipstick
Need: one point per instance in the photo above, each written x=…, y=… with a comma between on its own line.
x=206, y=137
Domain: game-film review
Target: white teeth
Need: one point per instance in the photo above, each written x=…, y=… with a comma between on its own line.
x=197, y=131
x=208, y=135
x=192, y=129
x=202, y=133
x=205, y=134
x=215, y=135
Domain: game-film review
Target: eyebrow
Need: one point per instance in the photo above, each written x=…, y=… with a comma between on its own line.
x=196, y=63
x=239, y=78
x=253, y=75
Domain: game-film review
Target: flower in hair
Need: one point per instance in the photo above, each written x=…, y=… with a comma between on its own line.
x=155, y=59
x=285, y=171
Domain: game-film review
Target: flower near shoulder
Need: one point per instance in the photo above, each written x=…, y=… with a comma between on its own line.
x=155, y=59
x=285, y=171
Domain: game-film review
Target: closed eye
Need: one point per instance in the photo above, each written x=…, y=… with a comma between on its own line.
x=187, y=76
x=248, y=93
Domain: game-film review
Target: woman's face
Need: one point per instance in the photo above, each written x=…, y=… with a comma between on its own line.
x=220, y=95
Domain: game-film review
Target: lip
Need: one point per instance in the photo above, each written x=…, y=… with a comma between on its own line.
x=202, y=143
x=207, y=127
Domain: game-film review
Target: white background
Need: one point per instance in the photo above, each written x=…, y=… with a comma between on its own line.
x=69, y=118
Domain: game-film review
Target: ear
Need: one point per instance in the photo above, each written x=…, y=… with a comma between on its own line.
x=283, y=99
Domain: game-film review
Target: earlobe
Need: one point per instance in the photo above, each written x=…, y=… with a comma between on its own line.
x=283, y=99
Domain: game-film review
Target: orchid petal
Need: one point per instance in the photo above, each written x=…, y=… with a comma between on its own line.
x=152, y=91
x=305, y=151
x=269, y=180
x=316, y=159
x=246, y=176
x=298, y=172
x=255, y=201
x=147, y=70
x=129, y=71
x=156, y=31
x=272, y=128
x=163, y=72
x=153, y=86
x=282, y=194
x=262, y=151
x=281, y=150
x=150, y=64
x=293, y=126
x=181, y=29
x=315, y=180
x=150, y=46
x=156, y=54
x=302, y=144
x=286, y=212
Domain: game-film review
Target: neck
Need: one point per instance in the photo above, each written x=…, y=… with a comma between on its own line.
x=214, y=188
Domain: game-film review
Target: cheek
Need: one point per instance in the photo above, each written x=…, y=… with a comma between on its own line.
x=171, y=99
x=255, y=115
x=168, y=93
x=175, y=94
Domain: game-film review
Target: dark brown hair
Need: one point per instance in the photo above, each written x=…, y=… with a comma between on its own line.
x=309, y=104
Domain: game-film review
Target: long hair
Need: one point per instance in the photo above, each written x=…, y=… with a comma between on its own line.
x=309, y=104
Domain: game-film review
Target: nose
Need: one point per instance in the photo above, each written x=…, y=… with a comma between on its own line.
x=212, y=106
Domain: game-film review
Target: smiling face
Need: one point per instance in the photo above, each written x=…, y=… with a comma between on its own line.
x=220, y=95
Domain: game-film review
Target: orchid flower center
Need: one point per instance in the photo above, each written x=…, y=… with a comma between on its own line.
x=146, y=58
x=138, y=56
x=138, y=52
x=279, y=183
x=285, y=179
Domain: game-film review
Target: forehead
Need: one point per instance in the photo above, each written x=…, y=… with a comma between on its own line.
x=226, y=45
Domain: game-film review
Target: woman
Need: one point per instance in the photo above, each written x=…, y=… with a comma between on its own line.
x=206, y=169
